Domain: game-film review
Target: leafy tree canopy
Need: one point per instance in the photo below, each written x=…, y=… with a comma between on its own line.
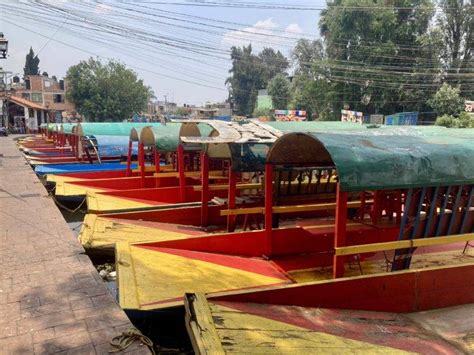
x=279, y=89
x=250, y=73
x=447, y=101
x=106, y=92
x=31, y=64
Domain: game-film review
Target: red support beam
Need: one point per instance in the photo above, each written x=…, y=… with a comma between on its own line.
x=340, y=231
x=157, y=160
x=182, y=177
x=129, y=158
x=268, y=208
x=141, y=161
x=205, y=189
x=231, y=199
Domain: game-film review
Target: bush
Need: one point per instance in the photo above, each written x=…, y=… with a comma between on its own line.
x=465, y=120
x=446, y=121
x=265, y=112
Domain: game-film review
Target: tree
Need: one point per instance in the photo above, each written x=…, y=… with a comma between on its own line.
x=245, y=80
x=31, y=64
x=250, y=73
x=106, y=92
x=279, y=90
x=456, y=23
x=272, y=63
x=371, y=49
x=305, y=54
x=447, y=101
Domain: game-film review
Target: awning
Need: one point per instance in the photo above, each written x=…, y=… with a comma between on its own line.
x=384, y=158
x=26, y=103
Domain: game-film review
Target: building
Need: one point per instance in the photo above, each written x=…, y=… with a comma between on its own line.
x=220, y=111
x=264, y=101
x=38, y=99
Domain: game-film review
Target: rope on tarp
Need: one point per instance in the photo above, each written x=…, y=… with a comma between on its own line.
x=64, y=207
x=127, y=338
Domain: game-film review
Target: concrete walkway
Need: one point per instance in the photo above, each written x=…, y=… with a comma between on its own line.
x=51, y=298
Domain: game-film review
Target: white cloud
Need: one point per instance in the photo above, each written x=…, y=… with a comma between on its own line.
x=294, y=28
x=263, y=33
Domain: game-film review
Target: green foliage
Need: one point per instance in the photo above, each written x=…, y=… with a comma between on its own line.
x=447, y=100
x=367, y=51
x=464, y=120
x=273, y=63
x=279, y=90
x=251, y=72
x=456, y=23
x=446, y=121
x=265, y=112
x=106, y=92
x=31, y=64
x=304, y=54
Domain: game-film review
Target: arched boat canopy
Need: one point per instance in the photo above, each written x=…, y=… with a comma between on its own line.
x=135, y=134
x=384, y=158
x=164, y=136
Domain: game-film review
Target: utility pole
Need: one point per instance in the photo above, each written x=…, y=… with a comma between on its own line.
x=4, y=90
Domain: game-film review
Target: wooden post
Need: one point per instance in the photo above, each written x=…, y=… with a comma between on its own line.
x=182, y=177
x=129, y=159
x=157, y=160
x=268, y=208
x=205, y=189
x=231, y=199
x=340, y=231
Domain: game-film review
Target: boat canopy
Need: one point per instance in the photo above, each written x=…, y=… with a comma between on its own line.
x=107, y=128
x=383, y=158
x=314, y=126
x=166, y=137
x=111, y=145
x=246, y=143
x=67, y=128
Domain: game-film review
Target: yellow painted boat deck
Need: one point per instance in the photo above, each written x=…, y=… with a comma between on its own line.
x=152, y=277
x=220, y=327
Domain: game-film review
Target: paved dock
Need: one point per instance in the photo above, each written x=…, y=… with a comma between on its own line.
x=51, y=298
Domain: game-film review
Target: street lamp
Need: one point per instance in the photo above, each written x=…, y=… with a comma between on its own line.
x=3, y=46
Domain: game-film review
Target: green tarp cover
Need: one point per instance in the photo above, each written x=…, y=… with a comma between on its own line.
x=166, y=136
x=314, y=126
x=110, y=128
x=252, y=157
x=67, y=127
x=401, y=158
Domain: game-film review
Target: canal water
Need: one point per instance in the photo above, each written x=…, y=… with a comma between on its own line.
x=165, y=328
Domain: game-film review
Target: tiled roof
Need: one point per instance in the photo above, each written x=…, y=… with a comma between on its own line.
x=24, y=102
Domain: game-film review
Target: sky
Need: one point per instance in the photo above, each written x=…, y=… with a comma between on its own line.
x=183, y=72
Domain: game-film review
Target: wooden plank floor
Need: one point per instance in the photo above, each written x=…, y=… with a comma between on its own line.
x=51, y=298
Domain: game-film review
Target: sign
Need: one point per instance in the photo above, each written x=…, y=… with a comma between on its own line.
x=352, y=116
x=469, y=106
x=376, y=119
x=290, y=115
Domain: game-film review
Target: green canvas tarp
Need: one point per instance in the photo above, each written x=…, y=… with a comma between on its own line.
x=385, y=158
x=109, y=128
x=164, y=136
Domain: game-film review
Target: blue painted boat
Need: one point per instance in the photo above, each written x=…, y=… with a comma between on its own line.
x=79, y=168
